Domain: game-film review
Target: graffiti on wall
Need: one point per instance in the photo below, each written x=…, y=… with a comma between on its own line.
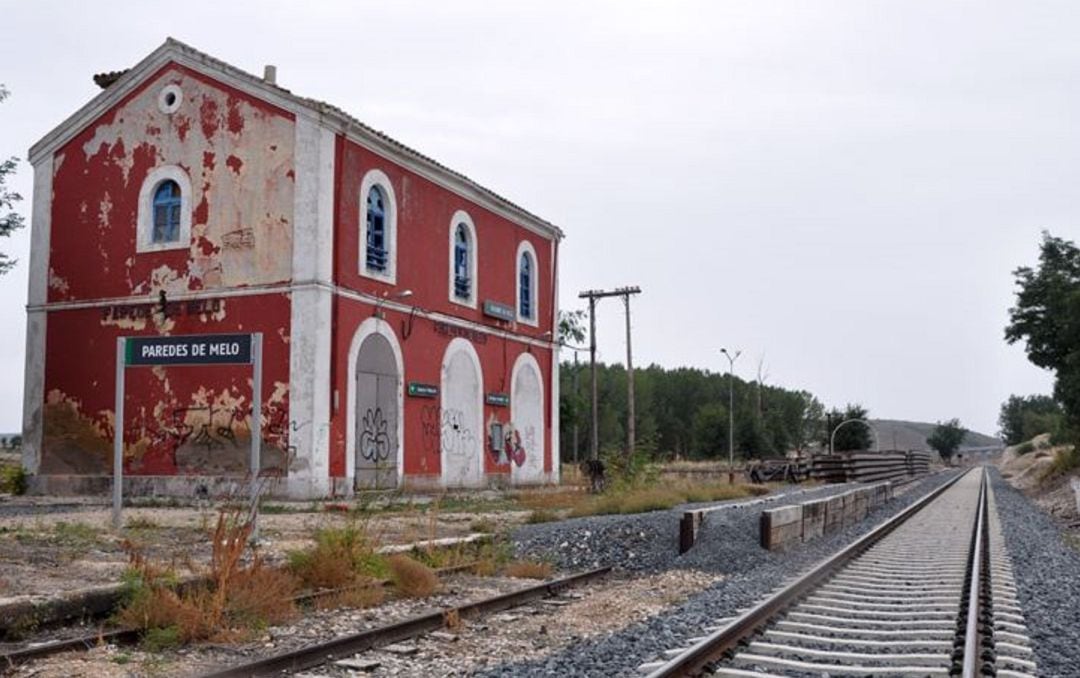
x=431, y=428
x=374, y=436
x=456, y=439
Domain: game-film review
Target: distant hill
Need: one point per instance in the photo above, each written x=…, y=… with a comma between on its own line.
x=911, y=435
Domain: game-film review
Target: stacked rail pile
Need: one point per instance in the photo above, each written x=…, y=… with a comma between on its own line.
x=869, y=467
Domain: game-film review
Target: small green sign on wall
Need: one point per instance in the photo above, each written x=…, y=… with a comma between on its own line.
x=418, y=390
x=497, y=399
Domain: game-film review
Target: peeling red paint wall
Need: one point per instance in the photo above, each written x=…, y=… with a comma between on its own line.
x=238, y=153
x=180, y=419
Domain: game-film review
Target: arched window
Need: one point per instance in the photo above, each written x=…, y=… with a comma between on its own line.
x=463, y=285
x=462, y=266
x=164, y=218
x=376, y=230
x=377, y=256
x=525, y=286
x=166, y=213
x=528, y=307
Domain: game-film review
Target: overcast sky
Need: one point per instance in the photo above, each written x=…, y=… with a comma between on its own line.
x=841, y=187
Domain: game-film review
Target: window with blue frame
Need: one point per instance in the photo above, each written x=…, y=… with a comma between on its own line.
x=462, y=254
x=525, y=286
x=377, y=253
x=166, y=212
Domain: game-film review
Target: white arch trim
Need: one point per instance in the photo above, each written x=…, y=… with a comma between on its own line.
x=367, y=328
x=462, y=345
x=462, y=217
x=144, y=237
x=375, y=177
x=525, y=247
x=528, y=360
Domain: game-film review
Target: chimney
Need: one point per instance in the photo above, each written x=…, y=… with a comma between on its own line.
x=270, y=74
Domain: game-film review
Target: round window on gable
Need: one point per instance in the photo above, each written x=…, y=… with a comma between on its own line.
x=170, y=98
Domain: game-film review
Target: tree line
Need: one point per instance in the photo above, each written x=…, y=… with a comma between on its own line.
x=682, y=413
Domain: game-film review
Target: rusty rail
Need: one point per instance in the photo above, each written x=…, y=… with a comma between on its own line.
x=346, y=646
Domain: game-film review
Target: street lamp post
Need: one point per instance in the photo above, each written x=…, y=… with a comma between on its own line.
x=731, y=413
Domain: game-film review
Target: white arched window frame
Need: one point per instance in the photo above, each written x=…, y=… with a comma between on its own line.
x=376, y=178
x=462, y=218
x=144, y=240
x=525, y=249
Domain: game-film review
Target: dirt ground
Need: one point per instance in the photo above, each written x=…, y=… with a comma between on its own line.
x=52, y=545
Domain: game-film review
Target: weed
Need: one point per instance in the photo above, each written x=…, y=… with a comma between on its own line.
x=412, y=578
x=122, y=658
x=339, y=556
x=528, y=569
x=1066, y=459
x=452, y=619
x=242, y=593
x=485, y=525
x=366, y=594
x=158, y=639
x=1025, y=448
x=141, y=523
x=13, y=479
x=79, y=535
x=541, y=516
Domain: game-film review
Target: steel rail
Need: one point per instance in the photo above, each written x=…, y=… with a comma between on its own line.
x=697, y=657
x=972, y=645
x=346, y=646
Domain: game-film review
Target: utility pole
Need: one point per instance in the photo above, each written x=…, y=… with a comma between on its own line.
x=576, y=370
x=731, y=413
x=630, y=420
x=593, y=296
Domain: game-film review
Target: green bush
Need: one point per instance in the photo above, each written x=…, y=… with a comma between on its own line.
x=13, y=479
x=1025, y=448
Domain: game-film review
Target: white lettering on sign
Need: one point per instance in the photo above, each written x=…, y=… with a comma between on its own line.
x=225, y=348
x=165, y=351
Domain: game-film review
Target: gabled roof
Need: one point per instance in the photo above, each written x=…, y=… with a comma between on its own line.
x=118, y=84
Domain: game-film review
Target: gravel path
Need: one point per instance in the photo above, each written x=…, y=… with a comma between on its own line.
x=728, y=545
x=1046, y=570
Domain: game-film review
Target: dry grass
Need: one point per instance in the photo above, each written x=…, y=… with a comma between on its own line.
x=361, y=596
x=552, y=501
x=662, y=497
x=412, y=578
x=452, y=620
x=242, y=593
x=541, y=516
x=528, y=569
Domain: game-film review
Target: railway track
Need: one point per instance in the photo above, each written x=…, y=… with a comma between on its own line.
x=927, y=593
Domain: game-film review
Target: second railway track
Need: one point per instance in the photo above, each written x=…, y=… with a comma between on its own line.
x=897, y=602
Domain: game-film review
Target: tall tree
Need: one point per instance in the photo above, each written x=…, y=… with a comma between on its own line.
x=9, y=219
x=946, y=438
x=1047, y=317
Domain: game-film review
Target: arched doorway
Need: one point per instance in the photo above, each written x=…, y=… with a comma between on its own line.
x=461, y=434
x=527, y=415
x=374, y=423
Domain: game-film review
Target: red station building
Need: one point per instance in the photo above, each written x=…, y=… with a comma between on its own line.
x=407, y=313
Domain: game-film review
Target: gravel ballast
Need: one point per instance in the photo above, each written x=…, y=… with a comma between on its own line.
x=728, y=544
x=1046, y=571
